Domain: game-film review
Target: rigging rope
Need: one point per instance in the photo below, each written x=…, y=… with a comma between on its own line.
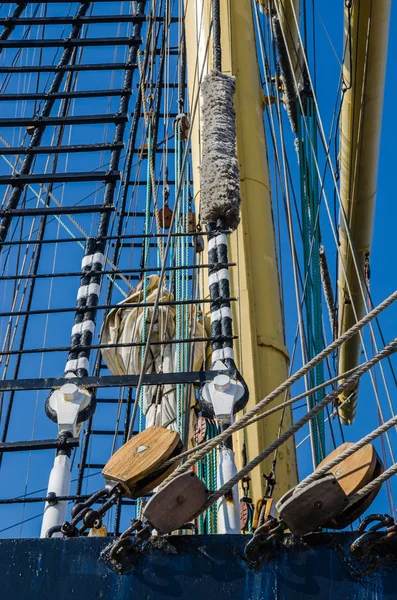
x=311, y=246
x=290, y=381
x=343, y=216
x=167, y=247
x=386, y=351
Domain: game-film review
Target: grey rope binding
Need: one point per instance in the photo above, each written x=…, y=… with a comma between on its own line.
x=216, y=35
x=220, y=201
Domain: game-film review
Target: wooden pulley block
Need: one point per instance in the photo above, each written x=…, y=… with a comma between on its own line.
x=30, y=129
x=200, y=430
x=308, y=509
x=353, y=474
x=246, y=509
x=143, y=151
x=263, y=509
x=198, y=244
x=183, y=122
x=137, y=465
x=165, y=216
x=176, y=503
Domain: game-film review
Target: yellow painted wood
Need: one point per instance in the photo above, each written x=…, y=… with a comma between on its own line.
x=361, y=120
x=257, y=318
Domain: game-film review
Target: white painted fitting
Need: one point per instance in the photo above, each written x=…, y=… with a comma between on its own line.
x=222, y=383
x=70, y=392
x=228, y=509
x=59, y=484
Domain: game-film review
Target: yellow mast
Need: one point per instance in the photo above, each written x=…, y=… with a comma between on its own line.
x=367, y=24
x=261, y=354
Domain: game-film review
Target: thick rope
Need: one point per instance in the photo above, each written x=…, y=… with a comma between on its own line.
x=267, y=413
x=286, y=385
x=349, y=452
x=374, y=485
x=387, y=350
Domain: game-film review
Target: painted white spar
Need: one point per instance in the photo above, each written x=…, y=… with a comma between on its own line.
x=223, y=393
x=59, y=484
x=228, y=506
x=67, y=402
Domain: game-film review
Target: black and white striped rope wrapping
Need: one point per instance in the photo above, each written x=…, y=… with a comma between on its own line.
x=219, y=286
x=87, y=298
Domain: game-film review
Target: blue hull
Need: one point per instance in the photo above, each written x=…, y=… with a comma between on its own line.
x=202, y=568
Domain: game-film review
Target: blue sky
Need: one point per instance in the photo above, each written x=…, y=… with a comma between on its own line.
x=382, y=271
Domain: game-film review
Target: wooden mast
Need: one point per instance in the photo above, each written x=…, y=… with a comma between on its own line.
x=261, y=354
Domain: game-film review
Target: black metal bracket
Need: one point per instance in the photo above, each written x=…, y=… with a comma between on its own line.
x=52, y=383
x=39, y=445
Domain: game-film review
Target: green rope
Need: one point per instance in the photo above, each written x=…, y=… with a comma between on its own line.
x=181, y=253
x=145, y=279
x=207, y=470
x=307, y=150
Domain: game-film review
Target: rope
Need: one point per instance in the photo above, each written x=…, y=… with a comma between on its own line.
x=311, y=243
x=288, y=383
x=375, y=484
x=216, y=36
x=357, y=446
x=386, y=351
x=166, y=252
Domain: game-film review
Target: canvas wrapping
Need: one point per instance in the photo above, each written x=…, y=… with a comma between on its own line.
x=124, y=325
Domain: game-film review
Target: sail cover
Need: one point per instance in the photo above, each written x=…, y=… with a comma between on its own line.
x=126, y=325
